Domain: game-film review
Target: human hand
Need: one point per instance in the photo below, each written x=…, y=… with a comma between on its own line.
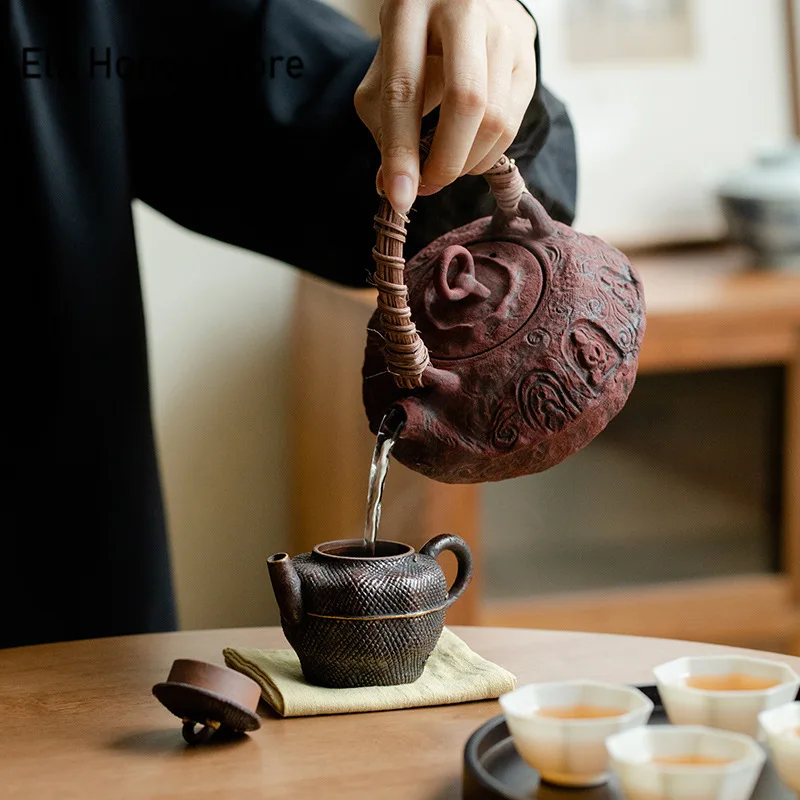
x=475, y=59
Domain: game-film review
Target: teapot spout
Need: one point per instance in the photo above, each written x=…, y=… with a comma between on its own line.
x=412, y=415
x=286, y=585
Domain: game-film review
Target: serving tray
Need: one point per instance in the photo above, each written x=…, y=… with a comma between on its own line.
x=494, y=769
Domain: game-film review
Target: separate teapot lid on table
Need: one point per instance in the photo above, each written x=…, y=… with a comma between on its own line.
x=214, y=697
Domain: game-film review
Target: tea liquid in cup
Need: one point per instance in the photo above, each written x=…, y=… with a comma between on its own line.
x=580, y=711
x=560, y=728
x=691, y=760
x=732, y=682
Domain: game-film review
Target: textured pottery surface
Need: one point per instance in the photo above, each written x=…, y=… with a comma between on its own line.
x=357, y=621
x=533, y=333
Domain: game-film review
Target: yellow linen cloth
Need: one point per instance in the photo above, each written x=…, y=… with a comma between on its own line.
x=454, y=674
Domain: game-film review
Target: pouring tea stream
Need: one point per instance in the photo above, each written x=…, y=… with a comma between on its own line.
x=390, y=428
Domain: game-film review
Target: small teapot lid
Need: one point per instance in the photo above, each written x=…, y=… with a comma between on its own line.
x=214, y=697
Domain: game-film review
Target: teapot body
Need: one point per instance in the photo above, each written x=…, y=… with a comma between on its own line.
x=371, y=620
x=533, y=336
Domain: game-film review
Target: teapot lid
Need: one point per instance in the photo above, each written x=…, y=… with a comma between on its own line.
x=474, y=288
x=210, y=696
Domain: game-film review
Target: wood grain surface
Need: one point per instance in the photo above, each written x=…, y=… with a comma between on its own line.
x=79, y=721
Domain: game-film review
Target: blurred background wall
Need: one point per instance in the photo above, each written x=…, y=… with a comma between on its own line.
x=217, y=320
x=660, y=123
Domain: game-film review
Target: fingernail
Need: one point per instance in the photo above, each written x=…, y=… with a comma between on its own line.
x=402, y=193
x=425, y=190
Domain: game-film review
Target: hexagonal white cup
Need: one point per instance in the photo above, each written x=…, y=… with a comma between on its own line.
x=781, y=727
x=571, y=752
x=632, y=753
x=733, y=710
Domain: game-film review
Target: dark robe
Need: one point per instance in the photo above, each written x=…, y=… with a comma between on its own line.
x=235, y=119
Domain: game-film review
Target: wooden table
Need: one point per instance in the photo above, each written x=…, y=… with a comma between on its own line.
x=79, y=721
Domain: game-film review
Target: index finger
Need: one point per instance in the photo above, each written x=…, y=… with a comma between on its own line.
x=464, y=99
x=404, y=38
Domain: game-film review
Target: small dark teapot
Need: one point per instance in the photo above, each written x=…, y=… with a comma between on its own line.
x=357, y=619
x=508, y=344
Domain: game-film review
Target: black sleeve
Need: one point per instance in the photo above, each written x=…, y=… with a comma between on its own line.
x=241, y=126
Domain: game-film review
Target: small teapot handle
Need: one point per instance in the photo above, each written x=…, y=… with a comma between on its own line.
x=456, y=545
x=406, y=354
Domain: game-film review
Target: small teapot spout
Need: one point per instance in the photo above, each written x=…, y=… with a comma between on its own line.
x=286, y=585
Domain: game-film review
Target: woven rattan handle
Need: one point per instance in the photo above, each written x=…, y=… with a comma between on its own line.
x=406, y=354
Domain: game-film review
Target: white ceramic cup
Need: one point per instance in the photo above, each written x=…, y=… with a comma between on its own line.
x=732, y=710
x=781, y=727
x=571, y=752
x=632, y=755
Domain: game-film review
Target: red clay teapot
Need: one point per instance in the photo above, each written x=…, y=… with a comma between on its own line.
x=507, y=344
